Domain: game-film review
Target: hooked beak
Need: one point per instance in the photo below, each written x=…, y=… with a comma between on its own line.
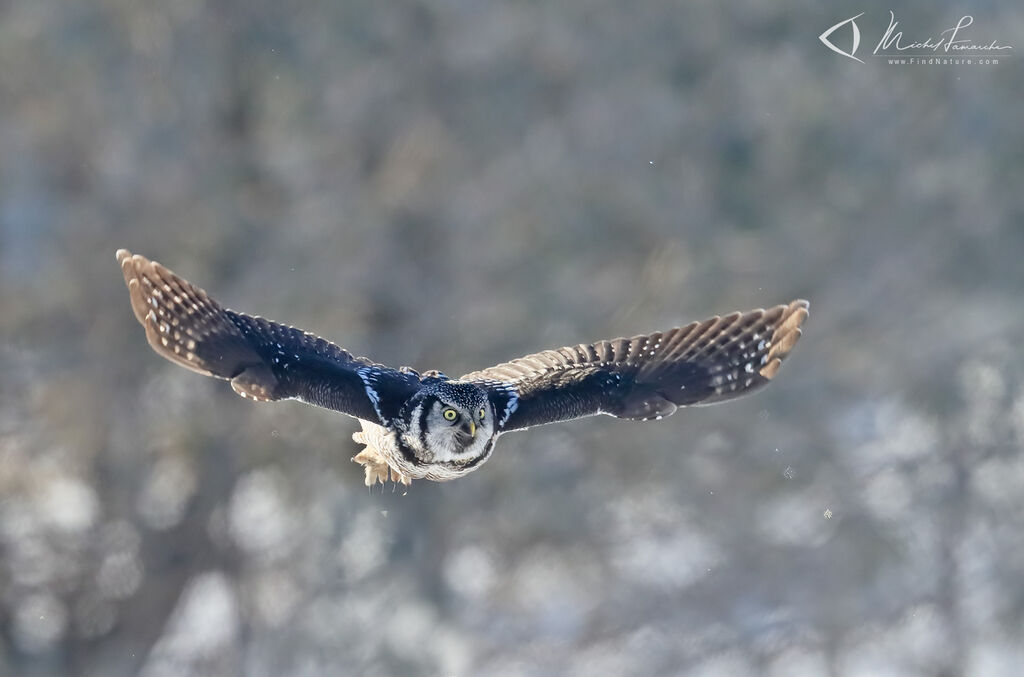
x=469, y=428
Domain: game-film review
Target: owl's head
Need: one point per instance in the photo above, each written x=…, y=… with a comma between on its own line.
x=452, y=422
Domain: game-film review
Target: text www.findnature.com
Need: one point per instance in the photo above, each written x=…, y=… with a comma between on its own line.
x=939, y=61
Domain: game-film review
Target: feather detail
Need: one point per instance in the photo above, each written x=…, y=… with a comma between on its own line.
x=650, y=376
x=263, y=360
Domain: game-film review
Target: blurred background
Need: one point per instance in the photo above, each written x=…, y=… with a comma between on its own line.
x=451, y=184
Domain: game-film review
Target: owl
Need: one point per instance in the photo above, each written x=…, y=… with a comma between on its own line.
x=429, y=426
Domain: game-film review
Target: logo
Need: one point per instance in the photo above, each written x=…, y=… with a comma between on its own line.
x=824, y=37
x=951, y=46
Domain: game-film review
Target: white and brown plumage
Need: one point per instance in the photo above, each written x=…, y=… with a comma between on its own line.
x=428, y=426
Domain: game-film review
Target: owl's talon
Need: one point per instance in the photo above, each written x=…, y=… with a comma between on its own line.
x=374, y=461
x=399, y=478
x=377, y=469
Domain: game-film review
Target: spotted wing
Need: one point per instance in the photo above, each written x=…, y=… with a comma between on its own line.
x=263, y=360
x=646, y=377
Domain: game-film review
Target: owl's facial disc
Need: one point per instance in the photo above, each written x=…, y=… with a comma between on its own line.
x=457, y=425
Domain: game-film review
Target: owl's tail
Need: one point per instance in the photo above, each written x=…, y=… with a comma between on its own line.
x=189, y=328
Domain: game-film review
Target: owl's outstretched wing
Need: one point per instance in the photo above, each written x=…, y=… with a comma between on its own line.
x=263, y=360
x=645, y=377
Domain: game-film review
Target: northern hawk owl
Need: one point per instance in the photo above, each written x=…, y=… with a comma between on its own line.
x=434, y=427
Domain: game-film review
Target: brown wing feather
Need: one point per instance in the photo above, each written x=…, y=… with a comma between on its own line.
x=182, y=323
x=649, y=376
x=263, y=360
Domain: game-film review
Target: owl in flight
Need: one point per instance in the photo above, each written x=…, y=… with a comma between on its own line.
x=434, y=427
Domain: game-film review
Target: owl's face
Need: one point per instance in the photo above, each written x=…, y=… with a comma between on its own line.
x=453, y=423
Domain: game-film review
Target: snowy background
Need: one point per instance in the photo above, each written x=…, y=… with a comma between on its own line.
x=450, y=184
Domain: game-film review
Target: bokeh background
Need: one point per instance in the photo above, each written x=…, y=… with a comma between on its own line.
x=450, y=184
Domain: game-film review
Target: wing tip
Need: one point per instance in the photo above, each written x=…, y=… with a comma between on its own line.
x=770, y=369
x=131, y=269
x=132, y=265
x=799, y=308
x=786, y=335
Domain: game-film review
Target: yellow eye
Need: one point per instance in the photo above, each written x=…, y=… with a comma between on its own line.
x=450, y=414
x=482, y=412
